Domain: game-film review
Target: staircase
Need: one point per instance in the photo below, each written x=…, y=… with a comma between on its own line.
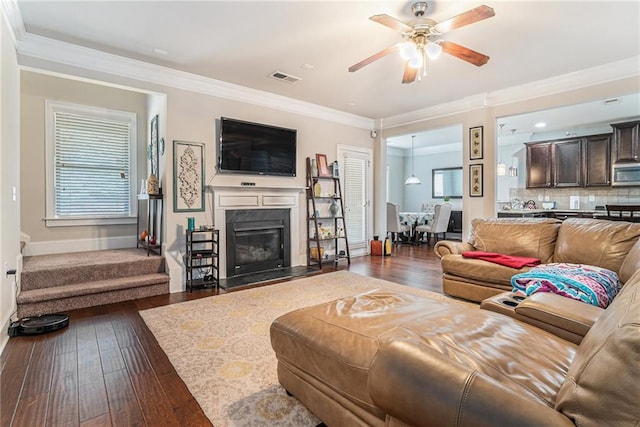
x=62, y=282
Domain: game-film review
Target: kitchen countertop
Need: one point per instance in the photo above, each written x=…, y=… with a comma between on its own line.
x=560, y=211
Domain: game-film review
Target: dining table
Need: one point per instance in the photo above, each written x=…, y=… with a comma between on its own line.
x=413, y=219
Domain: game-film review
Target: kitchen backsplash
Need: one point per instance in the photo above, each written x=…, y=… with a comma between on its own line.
x=589, y=198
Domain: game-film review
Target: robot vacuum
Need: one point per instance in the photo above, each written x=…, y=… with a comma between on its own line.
x=38, y=324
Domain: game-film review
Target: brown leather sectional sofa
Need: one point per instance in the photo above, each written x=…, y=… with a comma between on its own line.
x=389, y=359
x=401, y=359
x=596, y=242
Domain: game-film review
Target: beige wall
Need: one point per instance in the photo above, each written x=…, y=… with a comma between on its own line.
x=192, y=117
x=35, y=88
x=10, y=257
x=186, y=116
x=474, y=207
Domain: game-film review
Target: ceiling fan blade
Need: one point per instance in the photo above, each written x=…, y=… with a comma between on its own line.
x=469, y=17
x=373, y=57
x=464, y=53
x=410, y=74
x=390, y=22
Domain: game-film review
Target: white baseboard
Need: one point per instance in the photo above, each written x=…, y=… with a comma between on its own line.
x=78, y=245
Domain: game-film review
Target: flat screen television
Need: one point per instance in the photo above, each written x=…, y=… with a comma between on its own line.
x=253, y=148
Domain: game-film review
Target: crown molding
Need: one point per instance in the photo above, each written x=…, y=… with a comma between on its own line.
x=13, y=18
x=613, y=71
x=44, y=48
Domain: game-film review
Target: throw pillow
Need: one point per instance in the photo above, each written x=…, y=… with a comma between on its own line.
x=587, y=283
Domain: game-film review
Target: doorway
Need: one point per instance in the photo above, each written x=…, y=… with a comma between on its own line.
x=357, y=189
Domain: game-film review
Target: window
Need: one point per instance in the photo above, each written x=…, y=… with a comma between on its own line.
x=90, y=165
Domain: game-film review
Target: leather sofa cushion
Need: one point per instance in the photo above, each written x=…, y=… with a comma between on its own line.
x=595, y=242
x=516, y=236
x=459, y=348
x=603, y=383
x=336, y=341
x=479, y=270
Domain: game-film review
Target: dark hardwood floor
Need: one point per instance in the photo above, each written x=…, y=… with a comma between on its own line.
x=106, y=368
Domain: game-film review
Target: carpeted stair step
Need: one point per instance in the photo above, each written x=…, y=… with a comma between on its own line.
x=87, y=294
x=46, y=271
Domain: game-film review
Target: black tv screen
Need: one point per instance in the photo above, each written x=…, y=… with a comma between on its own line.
x=253, y=148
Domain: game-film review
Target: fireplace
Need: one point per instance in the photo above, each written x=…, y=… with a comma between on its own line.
x=257, y=240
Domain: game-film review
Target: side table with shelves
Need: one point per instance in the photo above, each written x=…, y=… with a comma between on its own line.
x=201, y=260
x=152, y=242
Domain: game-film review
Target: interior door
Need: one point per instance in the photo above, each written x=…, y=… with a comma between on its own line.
x=356, y=181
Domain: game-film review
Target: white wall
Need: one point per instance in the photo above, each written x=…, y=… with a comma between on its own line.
x=10, y=257
x=411, y=197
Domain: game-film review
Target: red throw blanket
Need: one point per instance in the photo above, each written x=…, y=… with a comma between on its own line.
x=502, y=259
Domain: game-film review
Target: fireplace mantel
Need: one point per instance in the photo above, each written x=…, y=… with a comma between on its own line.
x=232, y=197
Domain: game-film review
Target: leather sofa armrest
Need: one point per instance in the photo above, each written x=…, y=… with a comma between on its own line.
x=421, y=387
x=446, y=247
x=565, y=313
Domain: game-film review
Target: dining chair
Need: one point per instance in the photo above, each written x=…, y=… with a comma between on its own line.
x=394, y=226
x=440, y=224
x=630, y=213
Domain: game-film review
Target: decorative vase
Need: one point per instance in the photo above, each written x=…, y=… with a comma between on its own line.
x=334, y=208
x=317, y=189
x=143, y=186
x=314, y=167
x=153, y=186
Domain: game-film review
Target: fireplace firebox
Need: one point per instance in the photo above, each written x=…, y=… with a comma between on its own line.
x=257, y=240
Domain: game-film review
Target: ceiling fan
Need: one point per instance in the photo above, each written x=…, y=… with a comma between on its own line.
x=421, y=40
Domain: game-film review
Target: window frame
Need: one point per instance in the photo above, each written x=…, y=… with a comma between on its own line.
x=53, y=220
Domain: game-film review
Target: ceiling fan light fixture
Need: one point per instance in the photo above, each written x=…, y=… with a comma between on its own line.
x=433, y=50
x=416, y=60
x=408, y=50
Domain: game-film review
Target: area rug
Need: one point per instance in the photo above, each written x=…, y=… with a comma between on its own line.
x=220, y=345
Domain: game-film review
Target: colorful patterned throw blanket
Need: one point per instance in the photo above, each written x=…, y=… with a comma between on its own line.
x=587, y=283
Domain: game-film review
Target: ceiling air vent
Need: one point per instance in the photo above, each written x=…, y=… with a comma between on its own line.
x=284, y=77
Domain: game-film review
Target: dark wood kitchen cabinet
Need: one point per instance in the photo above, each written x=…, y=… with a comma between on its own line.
x=565, y=163
x=596, y=165
x=570, y=162
x=625, y=145
x=539, y=165
x=554, y=164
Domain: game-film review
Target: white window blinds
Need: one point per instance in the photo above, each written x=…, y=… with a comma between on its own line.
x=354, y=182
x=92, y=155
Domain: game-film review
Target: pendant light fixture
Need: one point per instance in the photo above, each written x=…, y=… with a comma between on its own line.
x=513, y=170
x=412, y=180
x=502, y=168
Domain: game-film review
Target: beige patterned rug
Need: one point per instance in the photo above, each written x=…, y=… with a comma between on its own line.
x=220, y=346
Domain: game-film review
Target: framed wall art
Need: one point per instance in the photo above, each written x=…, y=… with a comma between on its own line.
x=188, y=176
x=475, y=180
x=323, y=165
x=153, y=146
x=476, y=144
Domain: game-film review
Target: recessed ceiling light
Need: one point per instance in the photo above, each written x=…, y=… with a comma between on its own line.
x=159, y=51
x=540, y=125
x=352, y=104
x=307, y=66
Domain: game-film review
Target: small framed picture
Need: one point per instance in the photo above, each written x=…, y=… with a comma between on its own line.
x=335, y=170
x=323, y=166
x=476, y=145
x=475, y=180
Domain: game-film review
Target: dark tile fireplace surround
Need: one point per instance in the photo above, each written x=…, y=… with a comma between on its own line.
x=257, y=240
